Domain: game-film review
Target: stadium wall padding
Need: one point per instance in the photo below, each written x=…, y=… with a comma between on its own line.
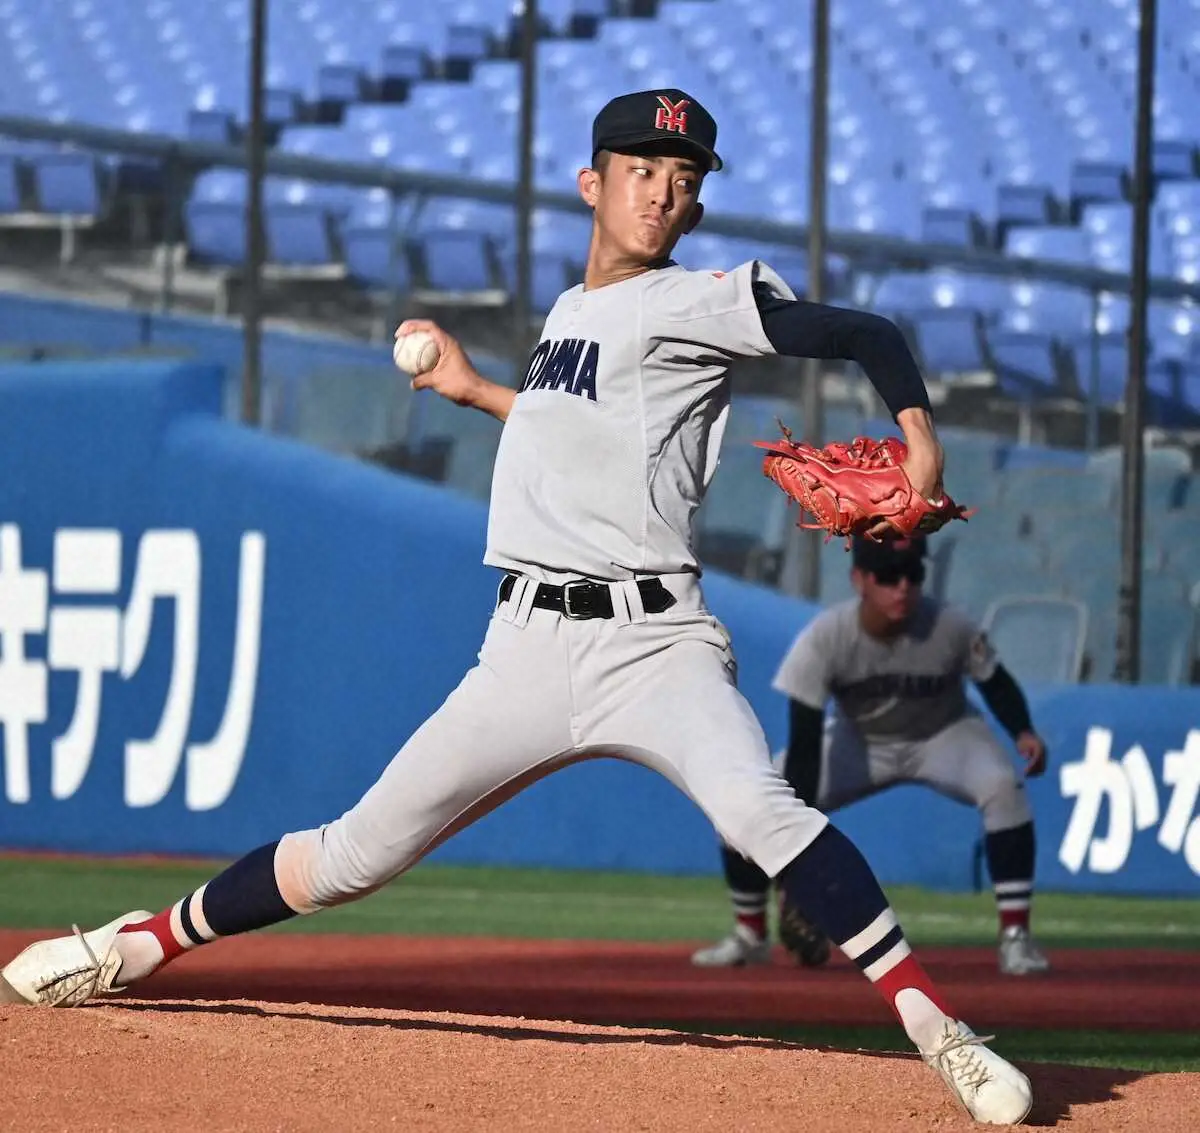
x=210, y=635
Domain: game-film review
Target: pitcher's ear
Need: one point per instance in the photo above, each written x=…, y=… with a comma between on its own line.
x=589, y=186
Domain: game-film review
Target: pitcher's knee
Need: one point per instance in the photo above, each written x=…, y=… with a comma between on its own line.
x=317, y=869
x=777, y=836
x=1004, y=804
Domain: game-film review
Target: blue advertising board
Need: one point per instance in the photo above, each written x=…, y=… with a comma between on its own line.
x=210, y=636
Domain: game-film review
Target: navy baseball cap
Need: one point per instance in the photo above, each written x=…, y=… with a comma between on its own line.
x=647, y=116
x=887, y=554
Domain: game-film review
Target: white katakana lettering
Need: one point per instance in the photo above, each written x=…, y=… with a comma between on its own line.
x=212, y=767
x=23, y=607
x=83, y=639
x=168, y=566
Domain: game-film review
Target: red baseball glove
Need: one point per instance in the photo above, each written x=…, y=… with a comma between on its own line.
x=850, y=488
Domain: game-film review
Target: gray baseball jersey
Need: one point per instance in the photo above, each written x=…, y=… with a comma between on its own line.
x=604, y=458
x=909, y=687
x=901, y=713
x=615, y=436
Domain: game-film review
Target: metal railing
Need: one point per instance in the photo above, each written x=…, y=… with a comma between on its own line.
x=867, y=250
x=870, y=253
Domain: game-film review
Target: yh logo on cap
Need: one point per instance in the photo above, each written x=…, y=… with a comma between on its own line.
x=672, y=115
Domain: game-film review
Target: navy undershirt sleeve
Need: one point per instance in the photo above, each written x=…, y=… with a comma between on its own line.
x=799, y=329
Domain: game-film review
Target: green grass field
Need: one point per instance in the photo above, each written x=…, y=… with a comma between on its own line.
x=552, y=904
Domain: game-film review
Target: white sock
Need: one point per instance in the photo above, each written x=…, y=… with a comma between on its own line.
x=141, y=954
x=923, y=1022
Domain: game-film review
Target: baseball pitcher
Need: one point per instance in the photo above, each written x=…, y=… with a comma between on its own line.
x=893, y=663
x=601, y=643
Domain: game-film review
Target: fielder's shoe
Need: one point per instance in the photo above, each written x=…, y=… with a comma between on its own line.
x=991, y=1090
x=742, y=948
x=68, y=970
x=1019, y=955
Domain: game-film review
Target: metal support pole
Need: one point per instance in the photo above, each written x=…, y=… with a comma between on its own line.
x=522, y=300
x=811, y=542
x=173, y=178
x=1092, y=439
x=392, y=316
x=1129, y=598
x=255, y=236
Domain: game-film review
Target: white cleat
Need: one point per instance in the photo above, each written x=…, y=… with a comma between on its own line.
x=742, y=948
x=991, y=1090
x=68, y=970
x=1019, y=955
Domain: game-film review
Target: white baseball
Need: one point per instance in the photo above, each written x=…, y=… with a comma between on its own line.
x=416, y=353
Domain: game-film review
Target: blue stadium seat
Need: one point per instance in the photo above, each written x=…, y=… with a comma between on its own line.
x=960, y=226
x=341, y=82
x=467, y=41
x=976, y=568
x=834, y=583
x=742, y=515
x=216, y=231
x=1024, y=204
x=1165, y=473
x=10, y=185
x=1097, y=181
x=1189, y=386
x=1167, y=643
x=1173, y=158
x=754, y=417
x=1104, y=359
x=458, y=261
x=1042, y=490
x=1079, y=543
x=987, y=294
x=210, y=125
x=349, y=411
x=950, y=340
x=1052, y=309
x=280, y=106
x=1176, y=199
x=374, y=260
x=550, y=275
x=298, y=235
x=900, y=292
x=1068, y=245
x=401, y=65
x=1027, y=364
x=1039, y=638
x=469, y=467
x=67, y=183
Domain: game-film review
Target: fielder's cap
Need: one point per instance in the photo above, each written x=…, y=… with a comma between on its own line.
x=887, y=554
x=648, y=116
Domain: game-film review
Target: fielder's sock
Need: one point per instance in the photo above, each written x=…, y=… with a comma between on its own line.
x=748, y=888
x=834, y=887
x=242, y=898
x=752, y=922
x=1010, y=856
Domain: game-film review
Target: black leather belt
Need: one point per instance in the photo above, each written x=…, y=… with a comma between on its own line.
x=580, y=599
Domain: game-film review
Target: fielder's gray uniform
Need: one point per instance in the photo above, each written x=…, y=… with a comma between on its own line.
x=900, y=710
x=602, y=463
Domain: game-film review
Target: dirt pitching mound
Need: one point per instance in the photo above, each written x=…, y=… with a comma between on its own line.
x=176, y=1065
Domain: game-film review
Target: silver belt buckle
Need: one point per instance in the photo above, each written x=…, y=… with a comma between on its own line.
x=567, y=611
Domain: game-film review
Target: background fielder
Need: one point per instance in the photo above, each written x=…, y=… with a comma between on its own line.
x=894, y=662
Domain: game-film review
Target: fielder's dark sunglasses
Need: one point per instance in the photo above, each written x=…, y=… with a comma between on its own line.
x=891, y=576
